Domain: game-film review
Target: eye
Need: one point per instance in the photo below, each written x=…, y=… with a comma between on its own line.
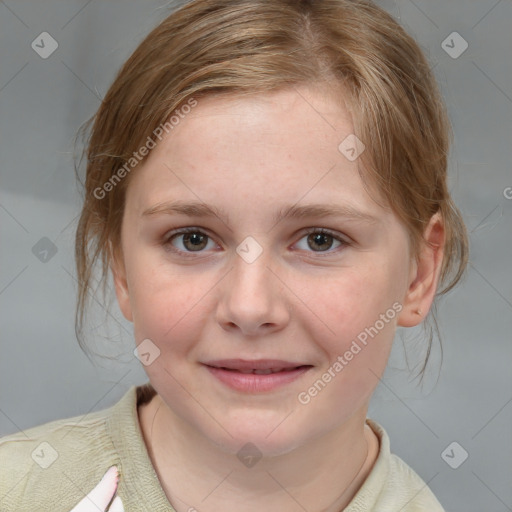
x=188, y=240
x=192, y=240
x=322, y=239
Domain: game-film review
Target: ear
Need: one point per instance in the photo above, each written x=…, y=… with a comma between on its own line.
x=424, y=275
x=120, y=283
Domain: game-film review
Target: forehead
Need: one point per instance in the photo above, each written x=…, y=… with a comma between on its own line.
x=278, y=147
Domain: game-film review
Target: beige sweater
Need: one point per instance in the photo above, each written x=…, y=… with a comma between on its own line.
x=53, y=466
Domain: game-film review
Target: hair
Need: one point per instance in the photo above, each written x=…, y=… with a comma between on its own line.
x=245, y=47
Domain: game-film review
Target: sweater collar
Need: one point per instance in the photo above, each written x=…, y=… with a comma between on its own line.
x=140, y=488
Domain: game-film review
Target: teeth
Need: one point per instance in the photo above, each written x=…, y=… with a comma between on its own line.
x=268, y=371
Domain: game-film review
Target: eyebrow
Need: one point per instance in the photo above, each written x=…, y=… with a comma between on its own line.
x=198, y=209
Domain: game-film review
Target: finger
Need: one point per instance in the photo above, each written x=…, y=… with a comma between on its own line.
x=117, y=505
x=98, y=499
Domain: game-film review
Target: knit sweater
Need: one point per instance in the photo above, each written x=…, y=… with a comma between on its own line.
x=53, y=466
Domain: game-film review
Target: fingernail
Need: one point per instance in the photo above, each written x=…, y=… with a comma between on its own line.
x=112, y=475
x=112, y=470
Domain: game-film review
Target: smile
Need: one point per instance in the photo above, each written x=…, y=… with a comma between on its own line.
x=261, y=372
x=255, y=376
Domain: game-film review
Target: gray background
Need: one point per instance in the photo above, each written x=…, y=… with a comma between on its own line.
x=44, y=375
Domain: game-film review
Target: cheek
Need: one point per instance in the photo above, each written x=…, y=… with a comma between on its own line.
x=166, y=306
x=360, y=310
x=355, y=300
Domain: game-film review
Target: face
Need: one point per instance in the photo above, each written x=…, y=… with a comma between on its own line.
x=316, y=293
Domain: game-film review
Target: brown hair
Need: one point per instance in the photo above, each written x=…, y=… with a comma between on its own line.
x=243, y=47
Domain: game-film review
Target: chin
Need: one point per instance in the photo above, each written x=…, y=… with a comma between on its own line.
x=271, y=437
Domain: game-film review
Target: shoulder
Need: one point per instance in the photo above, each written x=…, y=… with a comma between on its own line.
x=404, y=483
x=392, y=485
x=46, y=465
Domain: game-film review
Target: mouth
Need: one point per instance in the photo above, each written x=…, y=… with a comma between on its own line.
x=258, y=366
x=257, y=375
x=263, y=372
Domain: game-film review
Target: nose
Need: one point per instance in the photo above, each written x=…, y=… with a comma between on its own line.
x=253, y=299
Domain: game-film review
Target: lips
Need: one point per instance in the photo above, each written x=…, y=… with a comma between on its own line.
x=260, y=372
x=257, y=376
x=259, y=366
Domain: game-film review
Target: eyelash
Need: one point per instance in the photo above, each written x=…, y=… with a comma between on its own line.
x=191, y=254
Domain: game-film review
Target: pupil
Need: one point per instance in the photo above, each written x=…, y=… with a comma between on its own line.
x=320, y=240
x=195, y=239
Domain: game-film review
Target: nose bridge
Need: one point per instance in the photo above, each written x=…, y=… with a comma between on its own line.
x=251, y=279
x=252, y=297
x=251, y=271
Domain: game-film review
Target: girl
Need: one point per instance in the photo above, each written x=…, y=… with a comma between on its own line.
x=266, y=181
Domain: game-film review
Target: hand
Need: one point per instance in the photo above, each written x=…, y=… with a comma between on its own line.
x=98, y=499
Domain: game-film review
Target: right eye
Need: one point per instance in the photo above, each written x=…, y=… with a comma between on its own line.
x=188, y=240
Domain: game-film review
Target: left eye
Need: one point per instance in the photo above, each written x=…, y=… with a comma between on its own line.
x=322, y=240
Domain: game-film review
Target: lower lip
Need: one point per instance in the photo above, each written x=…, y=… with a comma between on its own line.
x=254, y=383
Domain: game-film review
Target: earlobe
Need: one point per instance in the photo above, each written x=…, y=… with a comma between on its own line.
x=121, y=284
x=425, y=274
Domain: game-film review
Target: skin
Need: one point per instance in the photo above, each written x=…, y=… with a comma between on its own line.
x=251, y=156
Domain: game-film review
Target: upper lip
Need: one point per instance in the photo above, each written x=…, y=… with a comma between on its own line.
x=257, y=364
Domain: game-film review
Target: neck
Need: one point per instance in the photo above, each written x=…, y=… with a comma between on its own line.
x=322, y=476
